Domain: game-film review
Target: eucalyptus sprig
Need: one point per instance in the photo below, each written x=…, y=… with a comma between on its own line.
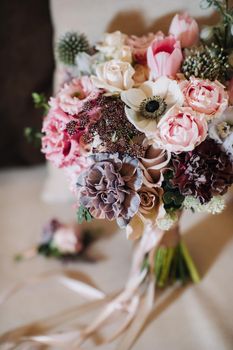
x=83, y=214
x=222, y=7
x=222, y=33
x=40, y=101
x=33, y=136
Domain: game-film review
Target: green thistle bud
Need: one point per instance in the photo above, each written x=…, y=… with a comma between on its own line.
x=70, y=45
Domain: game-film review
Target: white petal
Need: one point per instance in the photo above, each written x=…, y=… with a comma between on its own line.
x=148, y=126
x=160, y=87
x=102, y=85
x=133, y=98
x=147, y=88
x=174, y=94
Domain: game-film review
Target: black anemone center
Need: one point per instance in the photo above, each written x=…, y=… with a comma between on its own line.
x=152, y=106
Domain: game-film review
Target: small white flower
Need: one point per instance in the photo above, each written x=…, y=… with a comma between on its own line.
x=215, y=206
x=165, y=223
x=193, y=203
x=151, y=100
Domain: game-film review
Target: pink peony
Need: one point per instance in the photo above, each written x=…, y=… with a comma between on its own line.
x=230, y=91
x=73, y=95
x=185, y=29
x=59, y=146
x=182, y=129
x=139, y=45
x=205, y=96
x=164, y=57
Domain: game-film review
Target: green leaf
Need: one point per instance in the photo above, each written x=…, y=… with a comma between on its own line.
x=33, y=136
x=168, y=197
x=40, y=101
x=83, y=214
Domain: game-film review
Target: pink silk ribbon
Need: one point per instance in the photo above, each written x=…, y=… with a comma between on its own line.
x=134, y=302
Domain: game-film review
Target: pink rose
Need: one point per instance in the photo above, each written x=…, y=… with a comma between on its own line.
x=73, y=95
x=230, y=91
x=139, y=45
x=184, y=28
x=59, y=146
x=164, y=57
x=66, y=240
x=205, y=96
x=182, y=129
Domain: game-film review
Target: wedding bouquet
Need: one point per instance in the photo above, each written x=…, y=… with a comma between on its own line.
x=143, y=128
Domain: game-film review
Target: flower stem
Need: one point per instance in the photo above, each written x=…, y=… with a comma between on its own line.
x=166, y=267
x=190, y=264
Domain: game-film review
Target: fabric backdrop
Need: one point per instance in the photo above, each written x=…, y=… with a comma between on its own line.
x=26, y=61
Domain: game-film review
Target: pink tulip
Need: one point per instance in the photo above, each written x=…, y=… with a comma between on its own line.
x=184, y=28
x=164, y=57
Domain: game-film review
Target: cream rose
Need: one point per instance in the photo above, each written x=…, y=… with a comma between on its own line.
x=205, y=96
x=111, y=43
x=114, y=75
x=181, y=129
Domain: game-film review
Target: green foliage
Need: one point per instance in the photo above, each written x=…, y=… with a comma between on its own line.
x=222, y=33
x=49, y=251
x=83, y=214
x=172, y=197
x=40, y=101
x=33, y=136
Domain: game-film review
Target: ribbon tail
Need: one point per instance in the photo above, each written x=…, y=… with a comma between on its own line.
x=140, y=319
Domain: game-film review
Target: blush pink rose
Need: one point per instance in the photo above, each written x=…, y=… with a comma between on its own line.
x=205, y=96
x=67, y=240
x=230, y=91
x=182, y=129
x=59, y=147
x=185, y=29
x=164, y=57
x=73, y=95
x=139, y=45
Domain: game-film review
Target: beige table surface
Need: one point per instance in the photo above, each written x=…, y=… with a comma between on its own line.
x=196, y=317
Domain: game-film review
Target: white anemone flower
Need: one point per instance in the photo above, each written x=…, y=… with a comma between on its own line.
x=146, y=104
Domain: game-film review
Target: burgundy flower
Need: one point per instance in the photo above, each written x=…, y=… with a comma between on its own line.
x=204, y=172
x=108, y=189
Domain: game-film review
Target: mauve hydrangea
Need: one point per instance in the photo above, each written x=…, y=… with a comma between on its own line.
x=108, y=189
